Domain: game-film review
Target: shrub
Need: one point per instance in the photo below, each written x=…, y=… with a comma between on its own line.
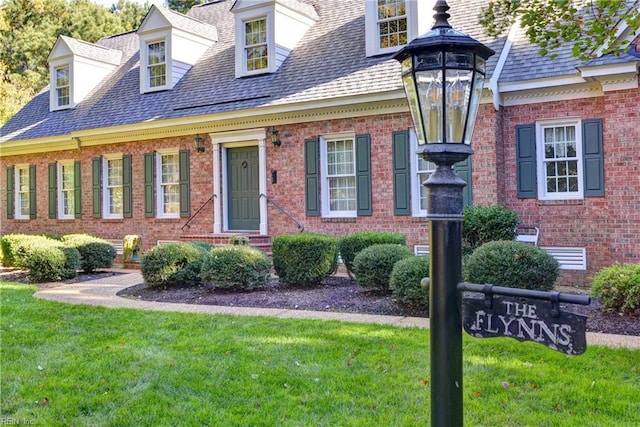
x=172, y=263
x=618, y=287
x=17, y=247
x=482, y=224
x=304, y=259
x=405, y=281
x=45, y=258
x=72, y=262
x=94, y=252
x=46, y=263
x=373, y=265
x=512, y=264
x=349, y=246
x=236, y=267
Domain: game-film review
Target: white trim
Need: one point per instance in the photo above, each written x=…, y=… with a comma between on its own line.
x=17, y=200
x=59, y=189
x=495, y=77
x=145, y=41
x=570, y=258
x=53, y=93
x=421, y=250
x=543, y=83
x=267, y=13
x=159, y=190
x=104, y=180
x=540, y=160
x=413, y=16
x=533, y=96
x=415, y=183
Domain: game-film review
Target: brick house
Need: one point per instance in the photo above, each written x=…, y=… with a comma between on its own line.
x=305, y=125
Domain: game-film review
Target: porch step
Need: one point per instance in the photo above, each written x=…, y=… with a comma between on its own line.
x=257, y=241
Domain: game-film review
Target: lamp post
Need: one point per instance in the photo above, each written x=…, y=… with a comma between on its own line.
x=443, y=74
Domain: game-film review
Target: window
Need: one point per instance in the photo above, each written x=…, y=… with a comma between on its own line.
x=168, y=185
x=340, y=177
x=66, y=193
x=62, y=82
x=113, y=187
x=255, y=45
x=22, y=192
x=156, y=64
x=391, y=23
x=421, y=169
x=560, y=159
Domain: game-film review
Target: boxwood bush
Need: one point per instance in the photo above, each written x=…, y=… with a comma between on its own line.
x=512, y=264
x=304, y=259
x=618, y=288
x=172, y=263
x=373, y=265
x=482, y=224
x=95, y=252
x=349, y=246
x=405, y=282
x=236, y=267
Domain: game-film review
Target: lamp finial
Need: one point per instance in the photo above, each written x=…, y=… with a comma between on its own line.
x=441, y=15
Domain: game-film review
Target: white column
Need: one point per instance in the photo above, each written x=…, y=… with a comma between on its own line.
x=217, y=202
x=262, y=186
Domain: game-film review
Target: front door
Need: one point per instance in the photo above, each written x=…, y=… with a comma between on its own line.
x=243, y=187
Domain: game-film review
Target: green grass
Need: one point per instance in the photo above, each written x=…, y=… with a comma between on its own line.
x=66, y=365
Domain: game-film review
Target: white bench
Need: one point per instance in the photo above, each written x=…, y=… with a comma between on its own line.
x=528, y=234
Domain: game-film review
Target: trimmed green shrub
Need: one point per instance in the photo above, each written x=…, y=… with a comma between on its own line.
x=236, y=267
x=512, y=264
x=172, y=263
x=46, y=263
x=45, y=258
x=72, y=262
x=304, y=259
x=349, y=246
x=95, y=252
x=17, y=247
x=405, y=282
x=482, y=224
x=618, y=287
x=373, y=265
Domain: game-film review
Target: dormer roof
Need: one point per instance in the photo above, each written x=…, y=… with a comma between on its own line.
x=67, y=46
x=294, y=5
x=159, y=18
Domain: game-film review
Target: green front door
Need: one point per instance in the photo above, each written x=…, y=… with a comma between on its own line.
x=243, y=186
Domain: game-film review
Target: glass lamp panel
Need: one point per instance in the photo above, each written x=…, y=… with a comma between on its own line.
x=414, y=104
x=429, y=85
x=429, y=60
x=459, y=60
x=458, y=85
x=474, y=103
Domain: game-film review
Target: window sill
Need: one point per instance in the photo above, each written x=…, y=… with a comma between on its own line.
x=567, y=202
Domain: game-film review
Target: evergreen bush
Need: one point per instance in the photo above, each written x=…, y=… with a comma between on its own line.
x=373, y=265
x=618, y=287
x=482, y=224
x=95, y=252
x=349, y=246
x=236, y=267
x=512, y=264
x=405, y=282
x=46, y=263
x=304, y=259
x=172, y=263
x=45, y=258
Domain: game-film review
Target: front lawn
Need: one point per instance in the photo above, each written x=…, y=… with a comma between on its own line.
x=67, y=365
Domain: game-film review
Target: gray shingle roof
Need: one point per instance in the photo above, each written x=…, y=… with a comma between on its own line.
x=328, y=62
x=93, y=51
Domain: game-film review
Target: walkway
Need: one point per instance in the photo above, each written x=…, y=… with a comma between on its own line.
x=103, y=292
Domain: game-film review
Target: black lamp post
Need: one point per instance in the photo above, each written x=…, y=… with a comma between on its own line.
x=443, y=74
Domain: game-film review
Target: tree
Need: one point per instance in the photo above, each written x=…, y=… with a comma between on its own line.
x=131, y=14
x=589, y=24
x=183, y=6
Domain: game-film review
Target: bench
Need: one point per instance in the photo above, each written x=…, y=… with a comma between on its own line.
x=528, y=234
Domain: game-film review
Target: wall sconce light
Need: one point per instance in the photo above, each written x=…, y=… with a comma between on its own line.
x=199, y=141
x=274, y=137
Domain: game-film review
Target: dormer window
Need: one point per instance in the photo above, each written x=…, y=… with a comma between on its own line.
x=266, y=31
x=156, y=64
x=256, y=48
x=62, y=90
x=391, y=24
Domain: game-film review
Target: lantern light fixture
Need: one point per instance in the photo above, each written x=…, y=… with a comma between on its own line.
x=199, y=141
x=275, y=140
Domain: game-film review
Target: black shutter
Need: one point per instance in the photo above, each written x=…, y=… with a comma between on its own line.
x=526, y=161
x=32, y=192
x=363, y=175
x=312, y=177
x=593, y=156
x=77, y=189
x=127, y=202
x=463, y=169
x=11, y=170
x=185, y=196
x=401, y=173
x=96, y=180
x=148, y=185
x=53, y=190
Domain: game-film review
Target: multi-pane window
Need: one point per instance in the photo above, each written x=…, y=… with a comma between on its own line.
x=341, y=176
x=66, y=194
x=22, y=191
x=113, y=196
x=255, y=44
x=424, y=169
x=62, y=86
x=561, y=161
x=392, y=23
x=169, y=184
x=156, y=64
